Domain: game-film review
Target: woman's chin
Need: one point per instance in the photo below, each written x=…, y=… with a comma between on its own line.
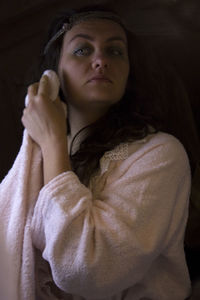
x=101, y=98
x=96, y=102
x=98, y=105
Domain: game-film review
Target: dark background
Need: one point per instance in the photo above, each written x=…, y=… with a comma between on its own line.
x=174, y=26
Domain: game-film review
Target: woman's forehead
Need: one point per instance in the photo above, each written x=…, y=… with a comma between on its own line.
x=97, y=28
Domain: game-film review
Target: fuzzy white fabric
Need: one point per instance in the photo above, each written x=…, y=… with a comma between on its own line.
x=18, y=194
x=121, y=237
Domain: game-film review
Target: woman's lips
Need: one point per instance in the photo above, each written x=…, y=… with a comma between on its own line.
x=100, y=79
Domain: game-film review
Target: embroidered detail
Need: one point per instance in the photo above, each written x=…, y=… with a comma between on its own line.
x=118, y=153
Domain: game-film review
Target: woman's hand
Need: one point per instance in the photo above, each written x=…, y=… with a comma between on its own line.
x=44, y=119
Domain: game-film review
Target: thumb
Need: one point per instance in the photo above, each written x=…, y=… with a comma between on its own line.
x=61, y=105
x=57, y=100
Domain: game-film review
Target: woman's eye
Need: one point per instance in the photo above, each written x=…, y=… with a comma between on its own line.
x=116, y=51
x=82, y=51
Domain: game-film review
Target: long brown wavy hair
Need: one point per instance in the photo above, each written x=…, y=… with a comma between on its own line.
x=155, y=97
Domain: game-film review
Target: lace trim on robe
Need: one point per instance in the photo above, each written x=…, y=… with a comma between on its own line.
x=120, y=152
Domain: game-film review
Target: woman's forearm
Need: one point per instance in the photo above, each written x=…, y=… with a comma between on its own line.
x=55, y=159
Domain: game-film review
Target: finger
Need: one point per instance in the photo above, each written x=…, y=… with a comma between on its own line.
x=23, y=116
x=33, y=89
x=57, y=100
x=43, y=88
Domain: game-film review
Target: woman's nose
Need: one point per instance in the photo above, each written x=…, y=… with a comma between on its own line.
x=100, y=61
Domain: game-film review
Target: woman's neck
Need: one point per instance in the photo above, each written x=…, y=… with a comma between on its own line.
x=79, y=119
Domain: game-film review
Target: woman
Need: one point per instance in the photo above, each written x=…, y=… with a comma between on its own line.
x=109, y=222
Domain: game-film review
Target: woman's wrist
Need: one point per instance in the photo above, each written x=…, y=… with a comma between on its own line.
x=54, y=144
x=55, y=158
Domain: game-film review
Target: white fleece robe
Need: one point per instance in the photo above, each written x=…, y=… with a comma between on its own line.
x=121, y=237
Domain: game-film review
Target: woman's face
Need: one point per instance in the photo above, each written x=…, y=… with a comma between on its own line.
x=94, y=64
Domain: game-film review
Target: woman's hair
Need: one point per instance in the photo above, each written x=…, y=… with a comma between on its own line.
x=154, y=100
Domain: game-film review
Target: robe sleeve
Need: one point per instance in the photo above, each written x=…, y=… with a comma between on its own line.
x=104, y=241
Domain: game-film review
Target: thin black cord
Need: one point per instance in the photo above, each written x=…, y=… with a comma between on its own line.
x=70, y=152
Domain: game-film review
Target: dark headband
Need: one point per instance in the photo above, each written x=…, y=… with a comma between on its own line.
x=80, y=17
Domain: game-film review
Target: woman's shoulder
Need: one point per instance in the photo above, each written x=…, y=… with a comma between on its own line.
x=157, y=151
x=155, y=148
x=160, y=147
x=161, y=143
x=160, y=140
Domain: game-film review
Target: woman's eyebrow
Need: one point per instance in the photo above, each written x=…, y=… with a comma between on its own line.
x=83, y=35
x=116, y=38
x=88, y=37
